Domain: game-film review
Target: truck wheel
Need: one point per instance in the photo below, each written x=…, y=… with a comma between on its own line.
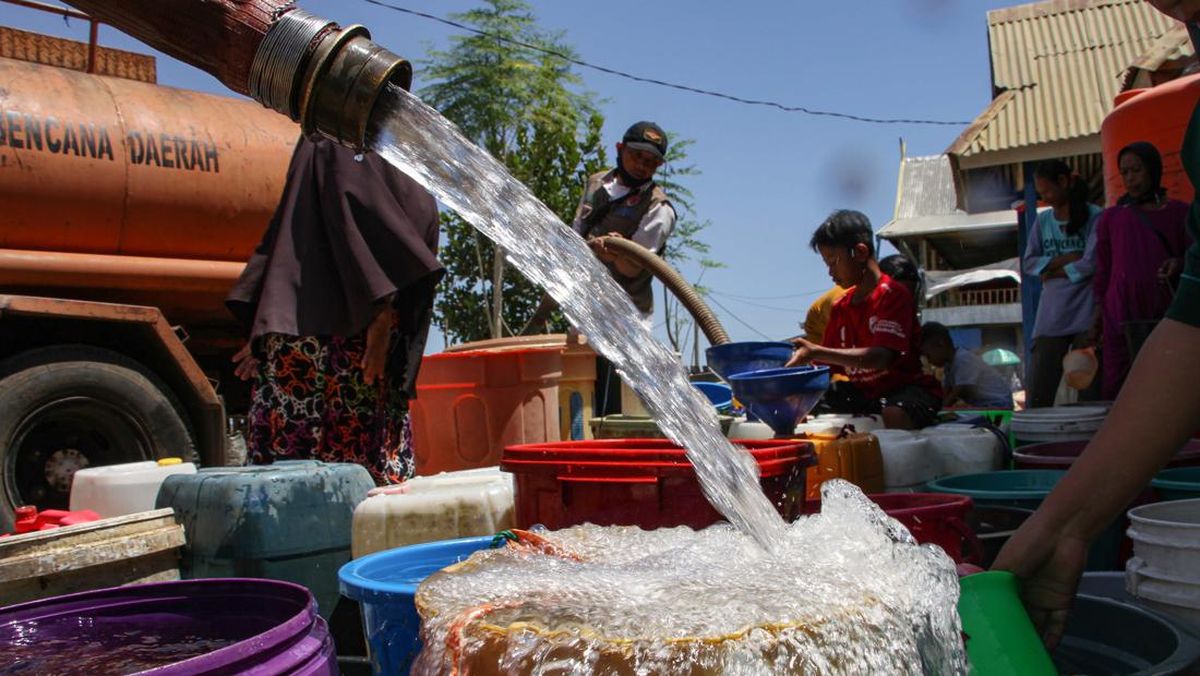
x=64, y=408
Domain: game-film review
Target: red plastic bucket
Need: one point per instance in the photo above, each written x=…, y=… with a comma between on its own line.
x=1061, y=454
x=932, y=518
x=935, y=518
x=638, y=482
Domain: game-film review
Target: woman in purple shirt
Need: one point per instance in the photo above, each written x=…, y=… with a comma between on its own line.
x=1140, y=244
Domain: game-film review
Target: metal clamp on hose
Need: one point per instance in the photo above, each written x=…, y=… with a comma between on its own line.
x=325, y=77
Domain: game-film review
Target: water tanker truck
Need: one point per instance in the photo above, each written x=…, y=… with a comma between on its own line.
x=129, y=211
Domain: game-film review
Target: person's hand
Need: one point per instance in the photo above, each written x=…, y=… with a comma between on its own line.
x=802, y=352
x=1170, y=269
x=379, y=335
x=1049, y=565
x=245, y=363
x=597, y=245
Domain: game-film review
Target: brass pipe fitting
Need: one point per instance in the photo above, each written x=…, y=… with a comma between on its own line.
x=324, y=76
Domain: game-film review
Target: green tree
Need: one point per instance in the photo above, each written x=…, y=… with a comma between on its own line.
x=525, y=108
x=684, y=244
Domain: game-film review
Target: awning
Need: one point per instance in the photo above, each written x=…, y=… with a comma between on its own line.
x=939, y=281
x=922, y=226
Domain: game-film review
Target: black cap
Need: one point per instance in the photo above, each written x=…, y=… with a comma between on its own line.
x=647, y=136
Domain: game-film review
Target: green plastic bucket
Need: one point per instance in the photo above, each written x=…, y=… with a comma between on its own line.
x=1180, y=483
x=1000, y=637
x=1026, y=489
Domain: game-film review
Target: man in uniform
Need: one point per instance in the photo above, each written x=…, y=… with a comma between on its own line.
x=625, y=203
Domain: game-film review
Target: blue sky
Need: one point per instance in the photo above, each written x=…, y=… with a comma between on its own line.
x=769, y=177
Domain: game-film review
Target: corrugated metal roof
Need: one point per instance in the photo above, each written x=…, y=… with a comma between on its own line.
x=1174, y=45
x=926, y=187
x=1056, y=66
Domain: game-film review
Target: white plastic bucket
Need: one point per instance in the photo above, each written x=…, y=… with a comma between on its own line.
x=963, y=449
x=908, y=459
x=440, y=507
x=127, y=488
x=1177, y=598
x=1165, y=568
x=1061, y=423
x=750, y=430
x=860, y=423
x=1166, y=537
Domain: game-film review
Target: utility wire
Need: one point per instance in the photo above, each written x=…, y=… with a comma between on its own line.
x=806, y=294
x=662, y=83
x=739, y=320
x=761, y=305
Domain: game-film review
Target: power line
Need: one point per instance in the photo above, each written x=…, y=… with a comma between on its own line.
x=753, y=304
x=806, y=294
x=739, y=319
x=663, y=83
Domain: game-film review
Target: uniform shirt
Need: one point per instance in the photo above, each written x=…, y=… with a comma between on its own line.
x=885, y=318
x=656, y=225
x=988, y=389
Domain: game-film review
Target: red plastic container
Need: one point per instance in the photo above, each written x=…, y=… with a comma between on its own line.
x=638, y=482
x=29, y=519
x=1061, y=454
x=937, y=519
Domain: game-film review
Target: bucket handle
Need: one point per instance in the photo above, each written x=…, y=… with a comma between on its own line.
x=974, y=546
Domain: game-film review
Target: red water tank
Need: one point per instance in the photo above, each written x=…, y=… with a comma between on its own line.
x=1159, y=115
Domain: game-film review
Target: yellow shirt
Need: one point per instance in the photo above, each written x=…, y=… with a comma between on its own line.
x=818, y=315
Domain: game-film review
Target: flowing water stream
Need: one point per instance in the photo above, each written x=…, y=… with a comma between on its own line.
x=847, y=591
x=418, y=140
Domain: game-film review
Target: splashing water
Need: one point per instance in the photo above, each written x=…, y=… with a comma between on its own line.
x=848, y=592
x=418, y=140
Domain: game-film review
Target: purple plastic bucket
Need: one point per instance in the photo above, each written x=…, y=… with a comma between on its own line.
x=213, y=626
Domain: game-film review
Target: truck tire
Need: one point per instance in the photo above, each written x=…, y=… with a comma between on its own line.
x=66, y=407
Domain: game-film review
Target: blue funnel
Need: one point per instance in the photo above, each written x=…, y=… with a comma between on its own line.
x=781, y=397
x=730, y=358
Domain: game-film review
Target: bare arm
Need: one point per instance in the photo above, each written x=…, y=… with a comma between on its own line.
x=1140, y=435
x=851, y=357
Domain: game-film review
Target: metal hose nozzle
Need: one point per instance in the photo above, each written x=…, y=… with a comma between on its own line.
x=323, y=76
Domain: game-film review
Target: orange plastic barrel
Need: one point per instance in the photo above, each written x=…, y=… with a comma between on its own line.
x=1159, y=115
x=576, y=387
x=471, y=405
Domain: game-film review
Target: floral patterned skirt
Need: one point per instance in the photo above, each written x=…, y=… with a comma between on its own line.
x=310, y=402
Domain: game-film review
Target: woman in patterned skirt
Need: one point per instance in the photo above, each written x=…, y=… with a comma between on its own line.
x=338, y=297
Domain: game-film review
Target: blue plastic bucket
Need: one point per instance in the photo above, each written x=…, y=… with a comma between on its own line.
x=385, y=585
x=719, y=394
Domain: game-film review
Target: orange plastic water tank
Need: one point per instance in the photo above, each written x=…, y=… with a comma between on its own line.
x=470, y=405
x=1159, y=115
x=576, y=387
